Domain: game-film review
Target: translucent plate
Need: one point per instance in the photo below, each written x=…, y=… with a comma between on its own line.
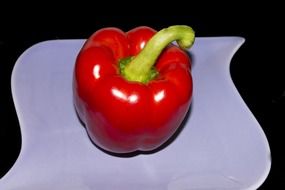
x=219, y=146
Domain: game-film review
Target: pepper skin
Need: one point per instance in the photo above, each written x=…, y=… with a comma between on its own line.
x=131, y=108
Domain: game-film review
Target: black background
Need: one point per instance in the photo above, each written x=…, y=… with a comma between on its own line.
x=256, y=68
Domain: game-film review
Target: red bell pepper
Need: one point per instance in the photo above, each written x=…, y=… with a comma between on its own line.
x=132, y=90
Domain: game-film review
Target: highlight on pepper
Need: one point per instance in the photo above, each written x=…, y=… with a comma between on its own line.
x=133, y=89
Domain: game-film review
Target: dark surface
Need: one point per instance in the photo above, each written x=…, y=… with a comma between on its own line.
x=256, y=69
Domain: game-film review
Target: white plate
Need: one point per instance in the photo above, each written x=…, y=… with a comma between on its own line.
x=221, y=145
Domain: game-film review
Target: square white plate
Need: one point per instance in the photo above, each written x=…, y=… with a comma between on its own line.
x=220, y=146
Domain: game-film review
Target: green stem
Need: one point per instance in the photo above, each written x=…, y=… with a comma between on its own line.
x=140, y=68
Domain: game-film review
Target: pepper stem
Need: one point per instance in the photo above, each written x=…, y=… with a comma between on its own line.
x=140, y=68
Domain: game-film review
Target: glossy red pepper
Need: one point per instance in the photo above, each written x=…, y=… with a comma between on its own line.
x=132, y=90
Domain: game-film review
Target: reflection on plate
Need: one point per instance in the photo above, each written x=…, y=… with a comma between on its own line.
x=221, y=145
